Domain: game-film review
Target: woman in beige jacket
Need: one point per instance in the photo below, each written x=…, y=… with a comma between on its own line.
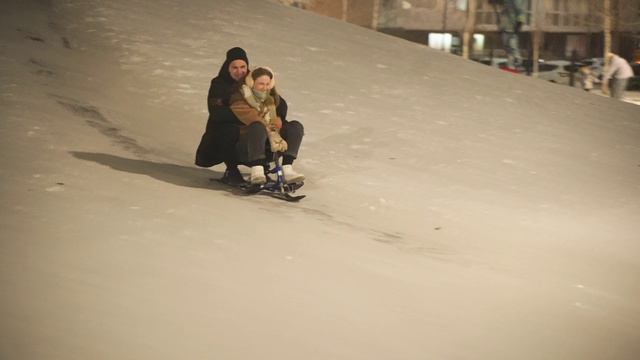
x=254, y=104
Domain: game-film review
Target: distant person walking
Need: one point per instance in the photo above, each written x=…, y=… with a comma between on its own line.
x=510, y=18
x=616, y=76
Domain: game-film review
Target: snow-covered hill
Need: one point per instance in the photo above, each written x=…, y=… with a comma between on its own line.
x=454, y=211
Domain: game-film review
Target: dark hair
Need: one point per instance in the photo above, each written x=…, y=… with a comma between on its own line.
x=260, y=72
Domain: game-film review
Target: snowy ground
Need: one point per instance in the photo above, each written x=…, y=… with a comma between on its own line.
x=454, y=211
x=632, y=97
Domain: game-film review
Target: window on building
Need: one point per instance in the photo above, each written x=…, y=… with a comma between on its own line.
x=478, y=42
x=566, y=13
x=440, y=41
x=486, y=15
x=419, y=4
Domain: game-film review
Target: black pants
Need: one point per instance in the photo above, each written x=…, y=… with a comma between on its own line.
x=253, y=146
x=218, y=144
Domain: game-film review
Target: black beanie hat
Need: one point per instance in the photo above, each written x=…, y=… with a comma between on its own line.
x=237, y=53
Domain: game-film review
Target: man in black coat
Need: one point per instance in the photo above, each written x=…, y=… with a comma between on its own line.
x=218, y=144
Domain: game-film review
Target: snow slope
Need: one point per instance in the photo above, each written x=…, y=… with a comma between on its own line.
x=454, y=211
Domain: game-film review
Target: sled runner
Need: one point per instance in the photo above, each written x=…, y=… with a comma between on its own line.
x=277, y=188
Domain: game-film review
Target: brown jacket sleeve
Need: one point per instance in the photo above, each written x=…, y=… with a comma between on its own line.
x=243, y=111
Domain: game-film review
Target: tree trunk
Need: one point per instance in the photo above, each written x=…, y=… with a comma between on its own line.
x=345, y=7
x=469, y=27
x=374, y=14
x=537, y=44
x=606, y=27
x=537, y=33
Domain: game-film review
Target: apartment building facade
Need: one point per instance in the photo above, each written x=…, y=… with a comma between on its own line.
x=564, y=28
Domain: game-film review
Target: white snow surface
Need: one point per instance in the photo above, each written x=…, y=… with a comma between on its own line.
x=453, y=211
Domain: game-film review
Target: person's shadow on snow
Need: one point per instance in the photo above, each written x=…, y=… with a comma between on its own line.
x=171, y=173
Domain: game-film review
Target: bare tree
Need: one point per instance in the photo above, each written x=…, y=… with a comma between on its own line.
x=613, y=15
x=345, y=8
x=606, y=26
x=537, y=34
x=469, y=27
x=374, y=14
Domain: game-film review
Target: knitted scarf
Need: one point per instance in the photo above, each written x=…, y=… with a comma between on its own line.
x=266, y=108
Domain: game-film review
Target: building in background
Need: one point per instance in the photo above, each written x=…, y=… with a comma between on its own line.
x=562, y=29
